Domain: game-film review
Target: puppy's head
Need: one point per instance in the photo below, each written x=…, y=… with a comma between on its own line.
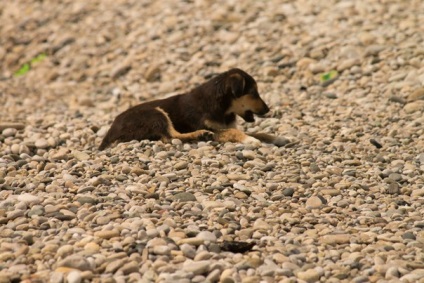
x=242, y=90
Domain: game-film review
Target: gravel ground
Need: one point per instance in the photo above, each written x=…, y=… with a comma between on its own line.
x=344, y=202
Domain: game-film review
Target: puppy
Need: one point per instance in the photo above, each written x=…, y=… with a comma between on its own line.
x=208, y=112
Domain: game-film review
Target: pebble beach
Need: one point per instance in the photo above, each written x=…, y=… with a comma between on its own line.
x=342, y=201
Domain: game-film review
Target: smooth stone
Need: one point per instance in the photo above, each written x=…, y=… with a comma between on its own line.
x=180, y=165
x=416, y=95
x=238, y=177
x=184, y=197
x=120, y=70
x=310, y=275
x=202, y=255
x=207, y=236
x=75, y=261
x=374, y=50
x=330, y=192
x=86, y=199
x=393, y=188
x=417, y=193
x=41, y=143
x=81, y=156
x=288, y=192
x=392, y=273
x=61, y=154
x=129, y=268
x=336, y=239
x=347, y=64
x=29, y=198
x=281, y=141
x=6, y=125
x=241, y=195
x=107, y=234
x=161, y=250
x=248, y=154
x=224, y=278
x=114, y=265
x=12, y=215
x=188, y=250
x=9, y=132
x=409, y=236
x=65, y=251
x=414, y=106
x=197, y=267
x=74, y=276
x=92, y=247
x=55, y=277
x=397, y=99
x=192, y=241
x=213, y=276
x=315, y=202
x=152, y=73
x=395, y=177
x=260, y=224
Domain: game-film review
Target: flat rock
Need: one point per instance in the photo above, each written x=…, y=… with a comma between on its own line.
x=260, y=224
x=107, y=234
x=41, y=143
x=184, y=197
x=310, y=275
x=6, y=125
x=197, y=267
x=29, y=198
x=417, y=193
x=315, y=202
x=416, y=95
x=81, y=156
x=76, y=262
x=414, y=106
x=336, y=239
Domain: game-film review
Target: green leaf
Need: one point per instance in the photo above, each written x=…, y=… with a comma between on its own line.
x=39, y=58
x=27, y=66
x=328, y=76
x=23, y=70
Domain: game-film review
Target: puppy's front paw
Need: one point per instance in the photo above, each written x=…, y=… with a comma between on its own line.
x=206, y=135
x=253, y=141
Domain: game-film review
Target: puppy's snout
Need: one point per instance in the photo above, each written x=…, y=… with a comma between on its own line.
x=264, y=109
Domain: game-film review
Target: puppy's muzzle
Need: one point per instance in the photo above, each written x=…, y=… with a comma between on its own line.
x=260, y=111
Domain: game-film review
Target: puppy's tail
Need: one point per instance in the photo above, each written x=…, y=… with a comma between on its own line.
x=278, y=141
x=105, y=142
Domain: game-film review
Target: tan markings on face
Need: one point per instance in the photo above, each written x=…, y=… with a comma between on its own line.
x=246, y=103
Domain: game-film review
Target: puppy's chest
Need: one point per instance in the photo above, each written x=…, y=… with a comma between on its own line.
x=219, y=125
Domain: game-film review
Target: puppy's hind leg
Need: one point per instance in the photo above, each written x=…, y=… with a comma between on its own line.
x=235, y=135
x=200, y=135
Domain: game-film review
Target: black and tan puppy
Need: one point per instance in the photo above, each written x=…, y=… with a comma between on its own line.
x=208, y=112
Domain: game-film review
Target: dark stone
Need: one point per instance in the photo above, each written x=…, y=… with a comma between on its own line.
x=184, y=197
x=288, y=192
x=86, y=199
x=393, y=188
x=409, y=236
x=236, y=247
x=375, y=143
x=397, y=99
x=153, y=196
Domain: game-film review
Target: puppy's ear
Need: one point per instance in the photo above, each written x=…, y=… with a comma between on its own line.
x=235, y=85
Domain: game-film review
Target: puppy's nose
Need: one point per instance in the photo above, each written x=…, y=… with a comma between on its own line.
x=264, y=110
